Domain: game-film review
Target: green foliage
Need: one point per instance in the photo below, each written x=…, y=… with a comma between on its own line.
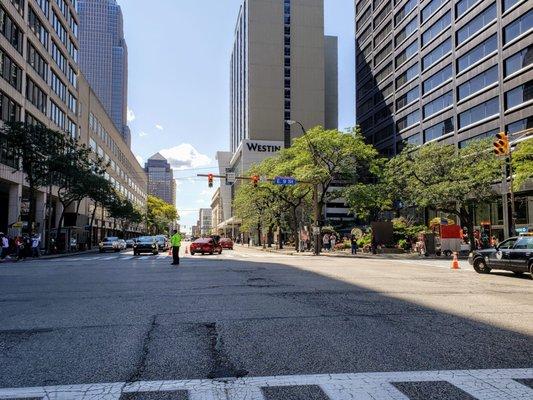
x=365, y=240
x=159, y=215
x=403, y=244
x=523, y=163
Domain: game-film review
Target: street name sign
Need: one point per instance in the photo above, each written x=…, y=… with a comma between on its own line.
x=284, y=181
x=230, y=178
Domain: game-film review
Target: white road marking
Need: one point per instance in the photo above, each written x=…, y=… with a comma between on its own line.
x=480, y=384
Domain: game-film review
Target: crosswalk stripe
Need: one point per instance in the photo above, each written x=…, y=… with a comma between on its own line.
x=480, y=384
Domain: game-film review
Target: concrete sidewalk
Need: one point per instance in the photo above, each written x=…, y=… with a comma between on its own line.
x=51, y=256
x=289, y=251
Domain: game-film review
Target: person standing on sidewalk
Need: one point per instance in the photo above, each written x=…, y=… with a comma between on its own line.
x=5, y=246
x=353, y=241
x=35, y=246
x=175, y=241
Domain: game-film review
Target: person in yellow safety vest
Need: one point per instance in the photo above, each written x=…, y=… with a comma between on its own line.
x=175, y=241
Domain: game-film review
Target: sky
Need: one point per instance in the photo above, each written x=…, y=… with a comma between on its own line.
x=178, y=91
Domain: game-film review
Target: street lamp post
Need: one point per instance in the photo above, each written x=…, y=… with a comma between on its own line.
x=316, y=211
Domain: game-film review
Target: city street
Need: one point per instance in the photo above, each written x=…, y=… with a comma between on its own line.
x=254, y=325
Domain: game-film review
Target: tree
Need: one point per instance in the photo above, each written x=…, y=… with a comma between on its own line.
x=34, y=147
x=101, y=192
x=123, y=210
x=323, y=157
x=523, y=163
x=446, y=179
x=159, y=214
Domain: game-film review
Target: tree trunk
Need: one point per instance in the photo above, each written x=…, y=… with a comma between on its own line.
x=259, y=234
x=91, y=223
x=270, y=236
x=467, y=219
x=295, y=228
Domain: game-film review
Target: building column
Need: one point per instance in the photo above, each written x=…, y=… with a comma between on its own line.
x=15, y=197
x=40, y=214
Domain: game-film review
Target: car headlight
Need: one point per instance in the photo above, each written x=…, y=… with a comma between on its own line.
x=101, y=244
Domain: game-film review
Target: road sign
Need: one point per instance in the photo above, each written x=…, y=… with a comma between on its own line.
x=230, y=178
x=284, y=181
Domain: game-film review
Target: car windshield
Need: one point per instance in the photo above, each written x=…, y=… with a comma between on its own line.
x=110, y=239
x=145, y=239
x=508, y=244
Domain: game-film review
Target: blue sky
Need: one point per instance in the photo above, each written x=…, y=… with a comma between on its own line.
x=179, y=84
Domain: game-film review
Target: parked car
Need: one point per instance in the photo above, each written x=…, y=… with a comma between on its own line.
x=514, y=254
x=111, y=243
x=130, y=243
x=226, y=243
x=205, y=245
x=145, y=244
x=162, y=242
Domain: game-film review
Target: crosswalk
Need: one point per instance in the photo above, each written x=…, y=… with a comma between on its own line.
x=117, y=257
x=501, y=384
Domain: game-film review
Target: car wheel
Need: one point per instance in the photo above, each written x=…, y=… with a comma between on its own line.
x=481, y=267
x=155, y=253
x=447, y=253
x=531, y=270
x=135, y=253
x=192, y=253
x=203, y=253
x=220, y=252
x=518, y=273
x=211, y=253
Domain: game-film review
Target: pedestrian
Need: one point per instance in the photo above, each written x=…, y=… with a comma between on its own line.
x=5, y=246
x=35, y=246
x=332, y=241
x=326, y=241
x=353, y=241
x=27, y=246
x=175, y=241
x=19, y=248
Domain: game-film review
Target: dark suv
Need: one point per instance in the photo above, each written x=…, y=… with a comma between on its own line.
x=514, y=254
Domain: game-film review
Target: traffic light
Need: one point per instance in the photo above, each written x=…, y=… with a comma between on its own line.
x=255, y=180
x=210, y=180
x=501, y=144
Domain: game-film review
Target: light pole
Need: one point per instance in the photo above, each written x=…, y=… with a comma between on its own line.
x=316, y=211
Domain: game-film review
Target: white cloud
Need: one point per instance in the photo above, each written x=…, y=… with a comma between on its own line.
x=185, y=156
x=131, y=115
x=142, y=134
x=159, y=127
x=140, y=159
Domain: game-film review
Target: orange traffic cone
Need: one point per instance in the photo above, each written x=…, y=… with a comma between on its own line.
x=186, y=249
x=455, y=262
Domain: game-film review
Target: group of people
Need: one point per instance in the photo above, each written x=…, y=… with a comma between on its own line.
x=20, y=247
x=329, y=240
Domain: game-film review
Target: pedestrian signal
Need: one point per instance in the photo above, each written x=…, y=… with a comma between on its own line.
x=210, y=180
x=501, y=144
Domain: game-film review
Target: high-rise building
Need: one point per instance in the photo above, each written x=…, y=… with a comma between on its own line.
x=278, y=71
x=161, y=181
x=104, y=57
x=40, y=83
x=437, y=70
x=205, y=221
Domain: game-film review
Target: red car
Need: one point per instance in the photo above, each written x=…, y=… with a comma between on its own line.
x=226, y=243
x=205, y=245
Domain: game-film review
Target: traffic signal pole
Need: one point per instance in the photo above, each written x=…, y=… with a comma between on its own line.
x=511, y=192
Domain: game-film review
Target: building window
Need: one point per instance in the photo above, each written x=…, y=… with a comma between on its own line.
x=409, y=120
x=406, y=9
x=476, y=24
x=519, y=26
x=463, y=6
x=59, y=28
x=406, y=53
x=382, y=14
x=10, y=71
x=382, y=115
x=31, y=120
x=488, y=109
x=36, y=61
x=406, y=31
x=383, y=53
x=382, y=34
x=366, y=15
x=437, y=79
x=436, y=54
x=36, y=96
x=437, y=105
x=507, y=4
x=434, y=30
x=72, y=76
x=466, y=142
x=478, y=83
x=365, y=35
x=407, y=98
x=366, y=106
x=364, y=54
x=72, y=128
x=57, y=115
x=63, y=7
x=518, y=61
x=519, y=95
x=59, y=58
x=411, y=73
x=414, y=140
x=45, y=6
x=72, y=103
x=73, y=51
x=19, y=5
x=438, y=130
x=477, y=53
x=381, y=75
x=58, y=86
x=38, y=28
x=10, y=30
x=73, y=25
x=9, y=109
x=430, y=9
x=519, y=126
x=384, y=134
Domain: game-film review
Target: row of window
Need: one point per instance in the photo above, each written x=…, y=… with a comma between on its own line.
x=10, y=71
x=10, y=30
x=10, y=110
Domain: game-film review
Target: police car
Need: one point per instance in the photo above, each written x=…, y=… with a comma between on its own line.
x=514, y=254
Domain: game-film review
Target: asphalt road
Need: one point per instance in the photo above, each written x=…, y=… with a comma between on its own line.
x=250, y=325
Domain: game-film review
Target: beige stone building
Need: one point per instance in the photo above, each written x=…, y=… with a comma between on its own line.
x=40, y=83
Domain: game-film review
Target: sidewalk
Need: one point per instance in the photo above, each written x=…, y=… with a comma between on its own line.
x=290, y=251
x=51, y=256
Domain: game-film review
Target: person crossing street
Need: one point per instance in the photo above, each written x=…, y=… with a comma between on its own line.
x=175, y=241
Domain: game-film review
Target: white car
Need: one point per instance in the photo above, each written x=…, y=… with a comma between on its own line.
x=112, y=243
